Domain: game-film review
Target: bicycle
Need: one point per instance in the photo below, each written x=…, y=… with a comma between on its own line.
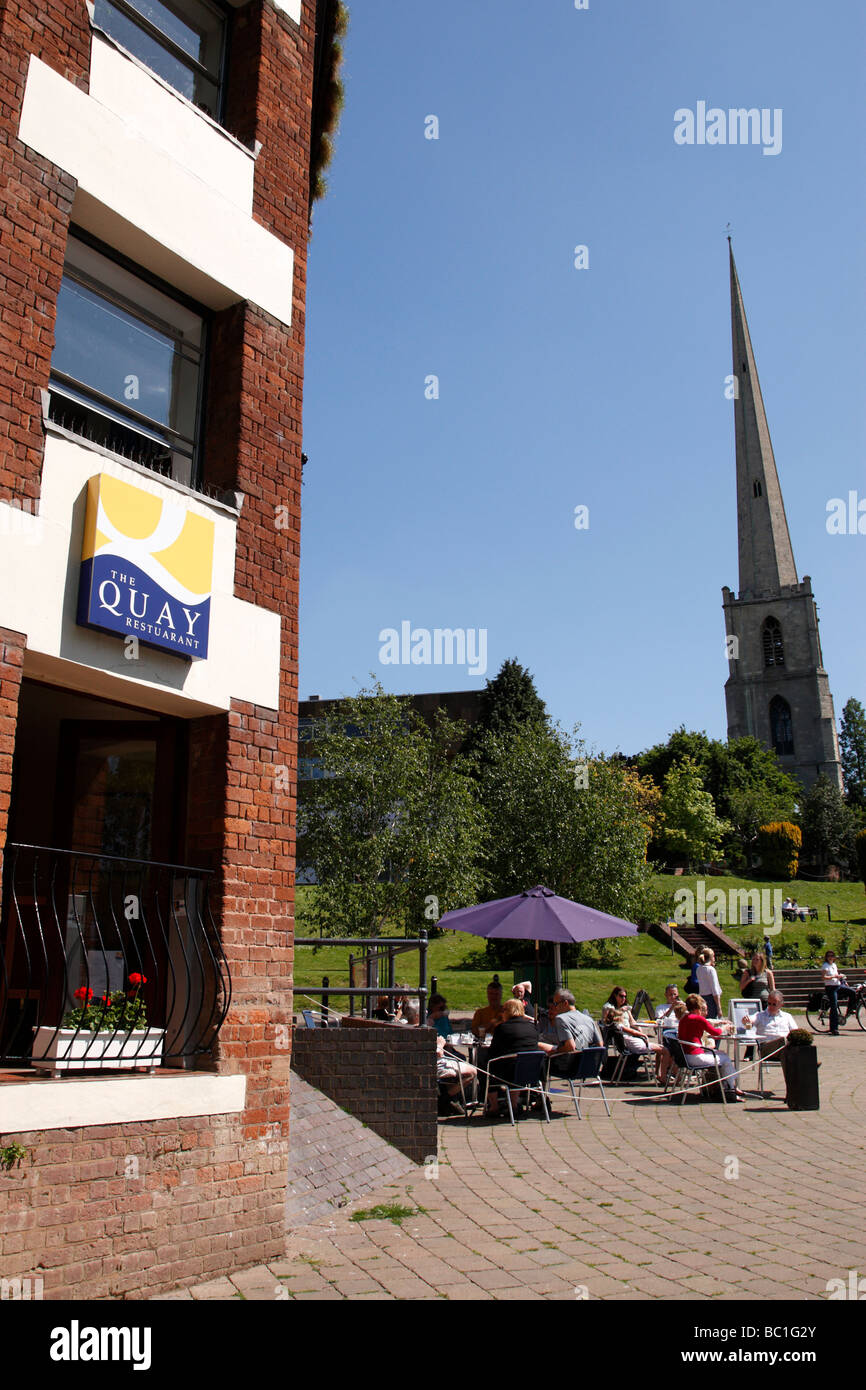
x=818, y=1010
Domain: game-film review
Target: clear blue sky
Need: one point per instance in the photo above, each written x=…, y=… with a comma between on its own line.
x=558, y=387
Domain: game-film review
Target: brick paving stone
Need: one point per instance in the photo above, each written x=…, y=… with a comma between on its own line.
x=611, y=1198
x=215, y=1289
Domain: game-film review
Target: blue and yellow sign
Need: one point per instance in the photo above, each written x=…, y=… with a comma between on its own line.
x=147, y=568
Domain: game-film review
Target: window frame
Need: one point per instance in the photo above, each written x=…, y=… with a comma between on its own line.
x=114, y=411
x=223, y=11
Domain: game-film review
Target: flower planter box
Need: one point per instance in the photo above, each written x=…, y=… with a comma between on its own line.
x=63, y=1050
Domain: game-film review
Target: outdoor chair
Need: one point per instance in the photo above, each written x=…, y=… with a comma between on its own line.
x=673, y=1076
x=769, y=1055
x=585, y=1069
x=641, y=1058
x=690, y=1075
x=530, y=1076
x=310, y=1018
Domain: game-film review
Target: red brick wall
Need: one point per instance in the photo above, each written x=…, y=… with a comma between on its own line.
x=12, y=646
x=129, y=1211
x=382, y=1073
x=34, y=218
x=241, y=808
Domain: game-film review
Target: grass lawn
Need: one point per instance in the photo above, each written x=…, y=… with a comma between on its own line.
x=462, y=968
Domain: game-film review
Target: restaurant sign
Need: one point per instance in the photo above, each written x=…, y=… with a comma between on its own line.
x=146, y=568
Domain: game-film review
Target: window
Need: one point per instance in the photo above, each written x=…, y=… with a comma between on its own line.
x=757, y=489
x=781, y=727
x=127, y=364
x=182, y=41
x=771, y=635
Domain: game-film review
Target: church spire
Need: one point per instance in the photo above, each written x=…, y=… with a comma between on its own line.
x=766, y=555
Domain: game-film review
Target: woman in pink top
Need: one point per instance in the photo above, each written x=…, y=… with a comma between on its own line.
x=691, y=1033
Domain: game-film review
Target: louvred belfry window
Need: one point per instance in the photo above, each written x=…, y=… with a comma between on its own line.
x=774, y=651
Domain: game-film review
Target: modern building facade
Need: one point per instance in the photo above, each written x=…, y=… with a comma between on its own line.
x=153, y=272
x=778, y=690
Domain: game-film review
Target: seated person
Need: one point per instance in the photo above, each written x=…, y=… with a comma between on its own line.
x=437, y=1016
x=788, y=910
x=450, y=1069
x=772, y=1026
x=515, y=1033
x=633, y=1039
x=617, y=1013
x=690, y=1031
x=522, y=992
x=572, y=1029
x=666, y=1061
x=665, y=1012
x=486, y=1019
x=384, y=1010
x=545, y=1023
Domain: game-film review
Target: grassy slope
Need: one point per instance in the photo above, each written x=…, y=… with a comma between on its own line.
x=461, y=967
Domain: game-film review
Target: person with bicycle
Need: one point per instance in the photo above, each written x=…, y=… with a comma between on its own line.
x=836, y=985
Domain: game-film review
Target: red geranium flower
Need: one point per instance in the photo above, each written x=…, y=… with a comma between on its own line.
x=138, y=979
x=84, y=993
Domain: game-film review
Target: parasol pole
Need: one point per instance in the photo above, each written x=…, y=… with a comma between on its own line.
x=557, y=964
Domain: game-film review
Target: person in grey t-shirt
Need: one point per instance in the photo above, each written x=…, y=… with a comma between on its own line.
x=574, y=1030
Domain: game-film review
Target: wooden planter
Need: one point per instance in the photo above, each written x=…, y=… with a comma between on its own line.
x=801, y=1078
x=63, y=1050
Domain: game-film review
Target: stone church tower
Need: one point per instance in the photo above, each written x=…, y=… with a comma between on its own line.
x=777, y=689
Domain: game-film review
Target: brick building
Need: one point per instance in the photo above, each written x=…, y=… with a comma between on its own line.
x=157, y=168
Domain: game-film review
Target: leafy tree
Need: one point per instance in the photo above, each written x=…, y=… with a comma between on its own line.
x=553, y=815
x=852, y=752
x=860, y=850
x=391, y=826
x=690, y=827
x=507, y=702
x=745, y=780
x=828, y=825
x=779, y=844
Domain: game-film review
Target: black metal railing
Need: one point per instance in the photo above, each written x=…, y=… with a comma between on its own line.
x=74, y=927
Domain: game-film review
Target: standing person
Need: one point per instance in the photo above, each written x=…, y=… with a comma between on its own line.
x=835, y=984
x=768, y=951
x=757, y=980
x=708, y=982
x=690, y=1031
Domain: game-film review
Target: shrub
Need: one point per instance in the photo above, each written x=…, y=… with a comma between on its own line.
x=779, y=845
x=816, y=942
x=799, y=1037
x=860, y=847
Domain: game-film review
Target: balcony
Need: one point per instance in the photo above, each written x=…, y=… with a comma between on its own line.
x=74, y=922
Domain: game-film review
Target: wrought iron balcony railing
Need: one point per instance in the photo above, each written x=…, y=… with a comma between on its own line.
x=74, y=922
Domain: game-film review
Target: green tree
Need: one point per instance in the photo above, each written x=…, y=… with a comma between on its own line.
x=828, y=825
x=690, y=827
x=553, y=815
x=507, y=702
x=852, y=752
x=391, y=824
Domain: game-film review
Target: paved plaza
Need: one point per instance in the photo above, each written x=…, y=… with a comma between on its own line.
x=660, y=1201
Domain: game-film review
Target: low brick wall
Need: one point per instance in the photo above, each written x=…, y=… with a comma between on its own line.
x=132, y=1210
x=382, y=1073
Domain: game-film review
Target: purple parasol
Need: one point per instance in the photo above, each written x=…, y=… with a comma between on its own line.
x=537, y=915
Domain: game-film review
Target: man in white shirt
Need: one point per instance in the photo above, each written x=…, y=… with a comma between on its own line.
x=772, y=1026
x=773, y=1022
